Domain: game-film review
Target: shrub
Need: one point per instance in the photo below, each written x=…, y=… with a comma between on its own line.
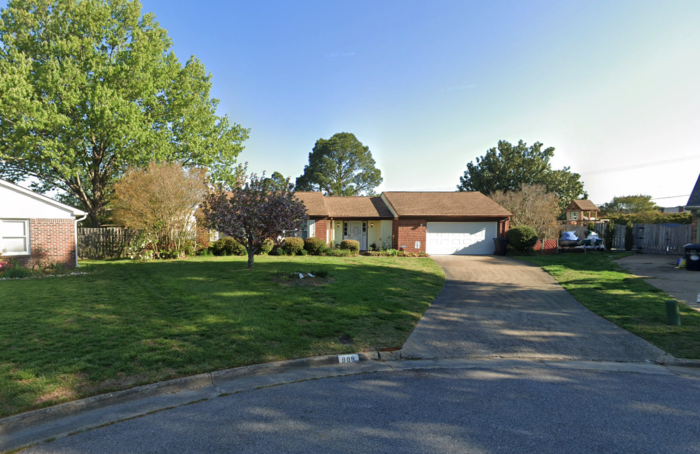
x=315, y=246
x=267, y=247
x=609, y=235
x=292, y=245
x=351, y=245
x=17, y=272
x=304, y=252
x=228, y=246
x=629, y=236
x=522, y=238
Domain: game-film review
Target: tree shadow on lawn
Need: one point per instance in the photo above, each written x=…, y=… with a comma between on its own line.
x=134, y=323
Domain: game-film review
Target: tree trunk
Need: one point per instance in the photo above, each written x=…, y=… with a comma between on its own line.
x=94, y=221
x=251, y=256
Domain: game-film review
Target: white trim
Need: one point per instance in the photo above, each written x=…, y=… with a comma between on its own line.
x=388, y=205
x=27, y=238
x=41, y=198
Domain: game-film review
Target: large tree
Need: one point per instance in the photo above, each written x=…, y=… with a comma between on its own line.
x=91, y=88
x=507, y=168
x=340, y=166
x=629, y=204
x=254, y=211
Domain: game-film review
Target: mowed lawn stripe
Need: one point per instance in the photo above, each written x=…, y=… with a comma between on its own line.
x=129, y=323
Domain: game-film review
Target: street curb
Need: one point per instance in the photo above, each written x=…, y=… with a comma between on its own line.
x=23, y=421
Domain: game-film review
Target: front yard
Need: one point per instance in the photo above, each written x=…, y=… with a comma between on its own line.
x=128, y=323
x=607, y=289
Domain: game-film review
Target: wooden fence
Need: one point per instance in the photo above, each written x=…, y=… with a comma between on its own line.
x=104, y=243
x=652, y=238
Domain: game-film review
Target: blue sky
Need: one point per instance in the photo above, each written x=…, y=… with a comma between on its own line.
x=429, y=86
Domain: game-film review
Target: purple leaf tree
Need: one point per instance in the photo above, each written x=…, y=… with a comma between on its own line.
x=254, y=211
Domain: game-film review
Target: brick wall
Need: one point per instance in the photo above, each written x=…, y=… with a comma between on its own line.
x=321, y=229
x=51, y=240
x=407, y=232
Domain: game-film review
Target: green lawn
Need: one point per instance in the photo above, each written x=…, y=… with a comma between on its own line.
x=609, y=290
x=129, y=323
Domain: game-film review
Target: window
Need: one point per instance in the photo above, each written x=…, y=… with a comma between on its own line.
x=364, y=227
x=573, y=216
x=345, y=229
x=14, y=237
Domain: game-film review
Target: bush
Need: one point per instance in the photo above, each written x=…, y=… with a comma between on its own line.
x=352, y=245
x=522, y=238
x=304, y=252
x=266, y=247
x=228, y=246
x=629, y=236
x=292, y=245
x=609, y=235
x=17, y=272
x=315, y=246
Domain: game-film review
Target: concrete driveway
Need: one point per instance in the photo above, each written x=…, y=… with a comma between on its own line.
x=660, y=271
x=499, y=307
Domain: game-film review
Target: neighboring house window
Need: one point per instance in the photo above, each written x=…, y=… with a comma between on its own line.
x=573, y=216
x=14, y=237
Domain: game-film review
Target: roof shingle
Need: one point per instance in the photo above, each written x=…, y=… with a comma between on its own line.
x=584, y=205
x=361, y=207
x=444, y=204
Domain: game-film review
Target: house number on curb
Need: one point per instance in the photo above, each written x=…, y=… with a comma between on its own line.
x=348, y=358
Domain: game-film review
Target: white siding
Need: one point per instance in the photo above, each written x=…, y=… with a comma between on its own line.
x=17, y=205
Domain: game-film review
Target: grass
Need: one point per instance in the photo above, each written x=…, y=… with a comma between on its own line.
x=129, y=323
x=607, y=289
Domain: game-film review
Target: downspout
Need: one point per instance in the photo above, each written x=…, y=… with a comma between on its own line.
x=75, y=232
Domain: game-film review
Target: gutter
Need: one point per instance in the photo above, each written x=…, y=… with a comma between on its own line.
x=75, y=233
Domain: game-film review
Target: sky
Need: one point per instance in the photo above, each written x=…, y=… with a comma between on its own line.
x=614, y=86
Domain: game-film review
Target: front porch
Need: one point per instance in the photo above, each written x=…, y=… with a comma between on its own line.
x=370, y=233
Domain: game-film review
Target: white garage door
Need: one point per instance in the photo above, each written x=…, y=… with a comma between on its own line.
x=461, y=237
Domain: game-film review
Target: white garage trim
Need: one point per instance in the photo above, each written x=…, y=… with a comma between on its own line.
x=462, y=238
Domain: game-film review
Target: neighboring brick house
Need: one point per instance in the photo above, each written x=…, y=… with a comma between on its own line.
x=432, y=222
x=581, y=212
x=36, y=228
x=693, y=206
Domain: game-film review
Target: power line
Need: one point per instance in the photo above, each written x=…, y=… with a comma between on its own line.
x=641, y=166
x=671, y=197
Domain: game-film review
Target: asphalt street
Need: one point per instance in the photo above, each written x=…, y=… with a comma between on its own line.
x=533, y=409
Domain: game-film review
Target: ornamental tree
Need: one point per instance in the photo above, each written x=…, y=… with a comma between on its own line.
x=89, y=89
x=160, y=201
x=253, y=211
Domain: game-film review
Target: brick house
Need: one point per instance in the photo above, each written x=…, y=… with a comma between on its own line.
x=432, y=222
x=36, y=228
x=581, y=212
x=693, y=206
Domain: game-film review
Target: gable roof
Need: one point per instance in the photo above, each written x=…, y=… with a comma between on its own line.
x=314, y=202
x=444, y=204
x=361, y=207
x=42, y=198
x=583, y=205
x=694, y=200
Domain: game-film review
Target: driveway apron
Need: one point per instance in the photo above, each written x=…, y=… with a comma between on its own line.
x=500, y=307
